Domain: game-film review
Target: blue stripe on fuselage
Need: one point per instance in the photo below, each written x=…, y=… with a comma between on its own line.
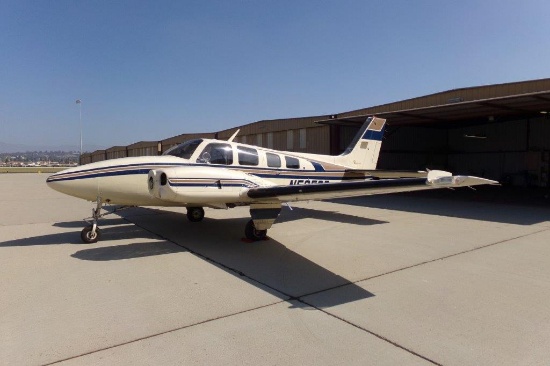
x=116, y=170
x=96, y=175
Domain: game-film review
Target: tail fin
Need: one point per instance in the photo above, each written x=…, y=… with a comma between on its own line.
x=363, y=151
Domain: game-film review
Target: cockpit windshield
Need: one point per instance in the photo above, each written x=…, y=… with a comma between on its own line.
x=184, y=150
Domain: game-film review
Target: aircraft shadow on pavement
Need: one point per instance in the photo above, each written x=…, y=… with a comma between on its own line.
x=435, y=203
x=123, y=230
x=298, y=213
x=82, y=223
x=267, y=264
x=127, y=251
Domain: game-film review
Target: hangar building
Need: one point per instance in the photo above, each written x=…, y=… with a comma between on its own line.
x=500, y=132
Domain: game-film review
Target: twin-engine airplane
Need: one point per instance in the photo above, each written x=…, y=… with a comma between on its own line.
x=225, y=174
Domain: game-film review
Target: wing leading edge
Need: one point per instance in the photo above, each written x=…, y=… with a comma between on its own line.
x=436, y=179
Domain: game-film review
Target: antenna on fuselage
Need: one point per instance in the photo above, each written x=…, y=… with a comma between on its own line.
x=233, y=136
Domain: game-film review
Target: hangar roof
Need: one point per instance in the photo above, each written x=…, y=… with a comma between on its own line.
x=116, y=148
x=456, y=109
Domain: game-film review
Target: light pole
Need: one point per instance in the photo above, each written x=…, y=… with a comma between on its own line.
x=79, y=102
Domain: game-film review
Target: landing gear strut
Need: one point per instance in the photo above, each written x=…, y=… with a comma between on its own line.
x=91, y=233
x=252, y=233
x=195, y=214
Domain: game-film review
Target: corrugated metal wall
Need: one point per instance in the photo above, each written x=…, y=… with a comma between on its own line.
x=317, y=138
x=143, y=148
x=116, y=152
x=85, y=158
x=98, y=155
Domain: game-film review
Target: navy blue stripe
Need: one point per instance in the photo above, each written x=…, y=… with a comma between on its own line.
x=318, y=167
x=108, y=174
x=206, y=185
x=281, y=173
x=146, y=171
x=373, y=135
x=119, y=166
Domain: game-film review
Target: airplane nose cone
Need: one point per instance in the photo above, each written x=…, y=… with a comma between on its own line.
x=52, y=183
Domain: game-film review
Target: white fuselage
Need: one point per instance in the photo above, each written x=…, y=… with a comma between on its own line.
x=124, y=181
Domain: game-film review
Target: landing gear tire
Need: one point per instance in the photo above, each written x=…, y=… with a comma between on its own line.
x=253, y=234
x=195, y=214
x=88, y=236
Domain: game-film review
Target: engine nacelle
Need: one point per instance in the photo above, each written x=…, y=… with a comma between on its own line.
x=200, y=184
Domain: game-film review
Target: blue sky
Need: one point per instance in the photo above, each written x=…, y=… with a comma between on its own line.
x=148, y=70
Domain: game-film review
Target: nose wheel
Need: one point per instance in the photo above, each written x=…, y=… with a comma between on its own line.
x=90, y=235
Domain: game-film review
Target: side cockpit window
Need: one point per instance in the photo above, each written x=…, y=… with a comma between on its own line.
x=184, y=150
x=216, y=153
x=247, y=156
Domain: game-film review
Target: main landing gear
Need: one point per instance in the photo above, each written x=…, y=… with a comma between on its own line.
x=252, y=233
x=195, y=214
x=263, y=216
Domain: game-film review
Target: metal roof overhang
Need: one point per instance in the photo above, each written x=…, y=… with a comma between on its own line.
x=447, y=115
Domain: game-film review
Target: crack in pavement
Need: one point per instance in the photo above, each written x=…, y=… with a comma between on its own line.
x=165, y=332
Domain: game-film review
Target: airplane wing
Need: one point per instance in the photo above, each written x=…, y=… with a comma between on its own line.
x=435, y=179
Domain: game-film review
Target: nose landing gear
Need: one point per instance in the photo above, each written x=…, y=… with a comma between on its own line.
x=91, y=233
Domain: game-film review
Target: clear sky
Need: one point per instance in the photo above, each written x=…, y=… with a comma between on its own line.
x=148, y=70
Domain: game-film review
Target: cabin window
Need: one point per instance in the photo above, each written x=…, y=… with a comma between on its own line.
x=247, y=156
x=292, y=163
x=216, y=153
x=273, y=160
x=184, y=150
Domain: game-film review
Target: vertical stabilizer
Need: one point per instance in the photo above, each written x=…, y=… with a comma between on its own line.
x=363, y=151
